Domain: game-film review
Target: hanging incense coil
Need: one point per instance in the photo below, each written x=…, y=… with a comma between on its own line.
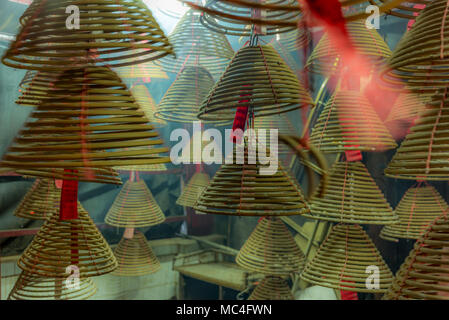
x=419, y=207
x=343, y=259
x=196, y=46
x=146, y=102
x=271, y=250
x=408, y=10
x=257, y=78
x=325, y=58
x=30, y=287
x=272, y=288
x=407, y=107
x=41, y=201
x=182, y=100
x=134, y=207
x=234, y=17
x=425, y=273
x=193, y=189
x=113, y=33
x=34, y=87
x=341, y=126
x=148, y=106
x=63, y=243
x=419, y=59
x=85, y=130
x=243, y=189
x=135, y=257
x=149, y=70
x=352, y=196
x=423, y=153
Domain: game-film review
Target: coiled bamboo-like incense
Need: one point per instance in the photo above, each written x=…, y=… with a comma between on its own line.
x=193, y=189
x=135, y=257
x=34, y=87
x=419, y=207
x=111, y=33
x=407, y=10
x=40, y=202
x=86, y=125
x=63, y=243
x=272, y=288
x=197, y=46
x=241, y=189
x=271, y=250
x=134, y=207
x=183, y=99
x=31, y=287
x=343, y=259
x=420, y=59
x=352, y=196
x=341, y=126
x=325, y=58
x=425, y=273
x=276, y=16
x=256, y=78
x=423, y=154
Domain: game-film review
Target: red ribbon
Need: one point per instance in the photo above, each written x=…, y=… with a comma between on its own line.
x=348, y=295
x=353, y=155
x=412, y=21
x=68, y=209
x=329, y=14
x=58, y=183
x=240, y=118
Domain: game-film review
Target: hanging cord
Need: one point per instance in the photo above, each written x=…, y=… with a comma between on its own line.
x=346, y=260
x=342, y=211
x=254, y=37
x=443, y=24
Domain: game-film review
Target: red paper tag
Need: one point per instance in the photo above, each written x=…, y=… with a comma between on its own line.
x=353, y=155
x=328, y=10
x=348, y=295
x=239, y=123
x=330, y=14
x=412, y=22
x=68, y=209
x=58, y=183
x=129, y=233
x=240, y=119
